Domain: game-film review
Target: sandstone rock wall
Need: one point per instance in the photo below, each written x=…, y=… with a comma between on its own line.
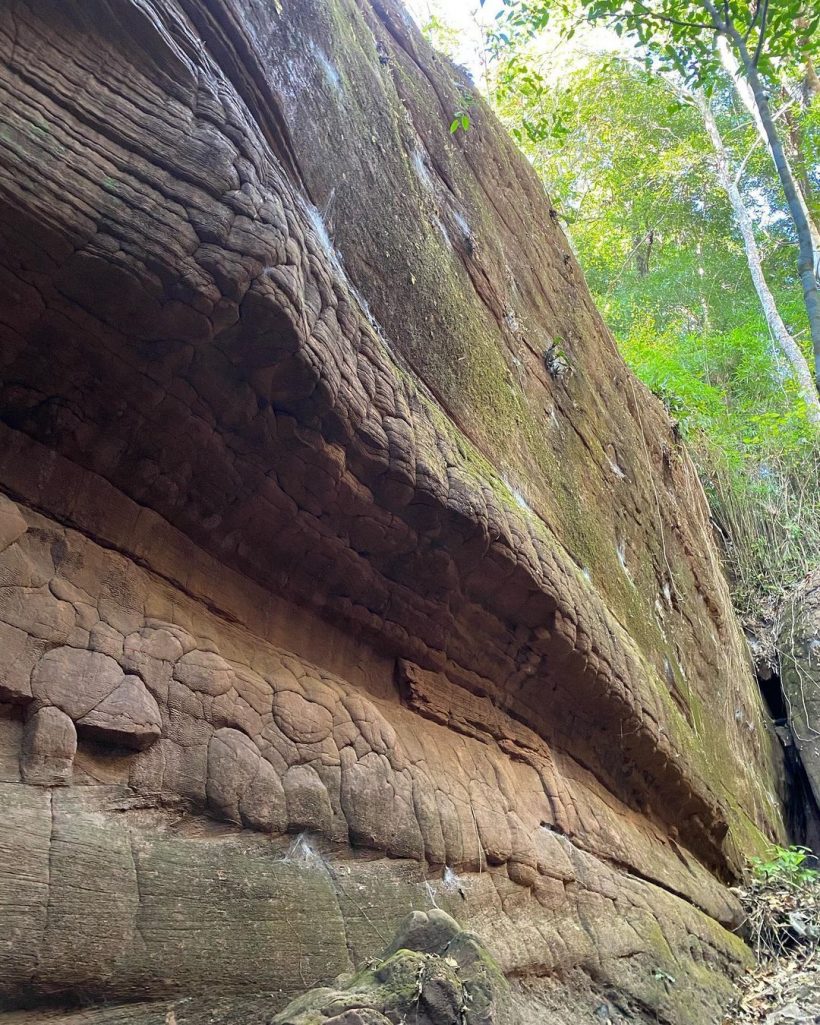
x=798, y=644
x=304, y=537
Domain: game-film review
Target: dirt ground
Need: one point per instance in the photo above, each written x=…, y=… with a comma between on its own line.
x=784, y=927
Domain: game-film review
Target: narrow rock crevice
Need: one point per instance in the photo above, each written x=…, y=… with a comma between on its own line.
x=802, y=811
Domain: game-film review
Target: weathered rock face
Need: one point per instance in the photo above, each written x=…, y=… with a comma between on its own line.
x=433, y=971
x=304, y=535
x=799, y=645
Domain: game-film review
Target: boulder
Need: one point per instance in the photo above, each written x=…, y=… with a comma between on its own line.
x=432, y=972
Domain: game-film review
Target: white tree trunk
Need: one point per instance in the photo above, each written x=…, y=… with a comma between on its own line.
x=790, y=349
x=744, y=91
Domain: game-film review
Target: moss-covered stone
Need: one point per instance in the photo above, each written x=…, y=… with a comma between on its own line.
x=432, y=973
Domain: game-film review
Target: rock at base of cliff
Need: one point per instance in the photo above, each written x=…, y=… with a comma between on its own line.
x=433, y=973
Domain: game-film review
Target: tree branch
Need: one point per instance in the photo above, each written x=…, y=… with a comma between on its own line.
x=667, y=19
x=717, y=24
x=763, y=26
x=742, y=165
x=753, y=21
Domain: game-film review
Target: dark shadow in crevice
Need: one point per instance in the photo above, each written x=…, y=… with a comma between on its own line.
x=774, y=698
x=801, y=810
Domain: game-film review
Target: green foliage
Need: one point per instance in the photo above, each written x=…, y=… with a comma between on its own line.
x=679, y=35
x=460, y=121
x=539, y=113
x=630, y=172
x=693, y=40
x=440, y=35
x=629, y=169
x=786, y=866
x=766, y=504
x=461, y=117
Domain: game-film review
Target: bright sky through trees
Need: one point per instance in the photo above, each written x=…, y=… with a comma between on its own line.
x=464, y=16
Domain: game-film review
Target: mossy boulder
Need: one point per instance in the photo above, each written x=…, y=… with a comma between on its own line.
x=433, y=973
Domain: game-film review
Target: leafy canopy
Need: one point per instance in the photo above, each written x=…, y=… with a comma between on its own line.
x=630, y=170
x=680, y=34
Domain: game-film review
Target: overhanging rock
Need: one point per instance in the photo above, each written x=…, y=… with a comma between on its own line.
x=304, y=535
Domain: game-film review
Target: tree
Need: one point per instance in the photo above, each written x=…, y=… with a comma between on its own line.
x=778, y=329
x=744, y=91
x=681, y=35
x=668, y=156
x=703, y=321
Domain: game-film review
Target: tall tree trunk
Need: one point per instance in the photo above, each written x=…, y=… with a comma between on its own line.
x=797, y=209
x=744, y=91
x=805, y=259
x=788, y=346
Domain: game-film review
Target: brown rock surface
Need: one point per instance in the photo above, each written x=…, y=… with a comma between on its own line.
x=75, y=681
x=49, y=746
x=303, y=535
x=799, y=645
x=127, y=716
x=433, y=972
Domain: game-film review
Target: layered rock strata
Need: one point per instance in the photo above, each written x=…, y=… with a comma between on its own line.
x=308, y=532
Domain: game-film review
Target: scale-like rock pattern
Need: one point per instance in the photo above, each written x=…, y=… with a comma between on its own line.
x=302, y=534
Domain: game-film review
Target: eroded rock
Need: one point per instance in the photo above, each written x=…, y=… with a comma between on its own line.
x=129, y=715
x=205, y=672
x=306, y=514
x=12, y=524
x=75, y=681
x=49, y=746
x=799, y=644
x=433, y=972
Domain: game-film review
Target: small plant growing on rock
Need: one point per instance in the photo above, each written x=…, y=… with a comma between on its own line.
x=461, y=117
x=555, y=359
